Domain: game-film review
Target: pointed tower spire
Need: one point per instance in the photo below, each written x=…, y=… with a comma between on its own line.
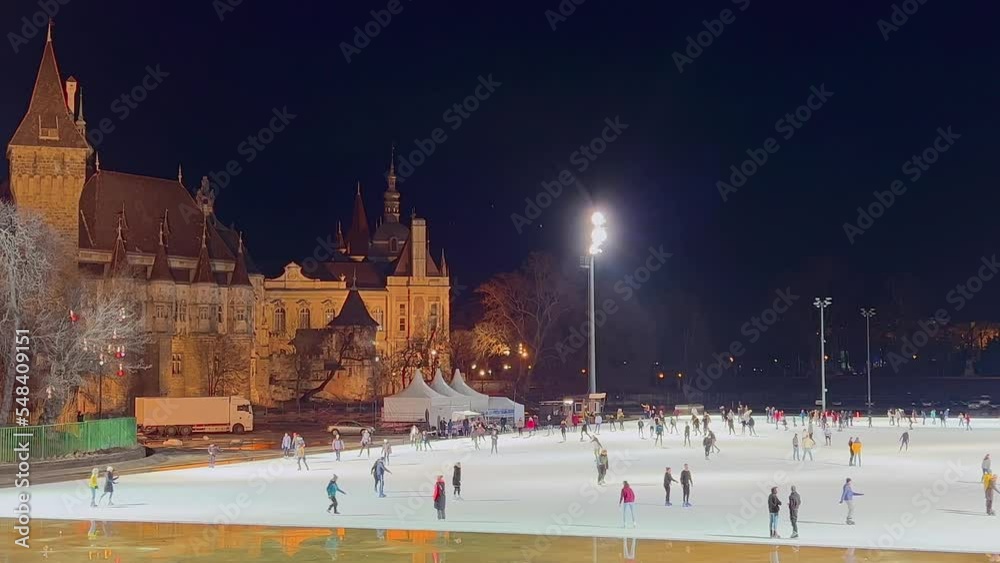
x=48, y=38
x=390, y=205
x=240, y=275
x=180, y=174
x=358, y=238
x=203, y=270
x=161, y=264
x=119, y=255
x=81, y=121
x=444, y=265
x=97, y=161
x=338, y=242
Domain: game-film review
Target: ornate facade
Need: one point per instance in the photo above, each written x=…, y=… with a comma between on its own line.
x=218, y=325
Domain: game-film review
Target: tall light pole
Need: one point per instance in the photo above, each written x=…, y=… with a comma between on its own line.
x=597, y=238
x=868, y=314
x=822, y=304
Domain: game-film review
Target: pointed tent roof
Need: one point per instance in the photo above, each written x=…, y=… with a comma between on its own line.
x=203, y=270
x=418, y=389
x=48, y=110
x=161, y=265
x=441, y=386
x=358, y=238
x=240, y=275
x=353, y=312
x=458, y=384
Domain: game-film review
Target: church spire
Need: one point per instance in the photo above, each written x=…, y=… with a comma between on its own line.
x=203, y=270
x=240, y=275
x=390, y=212
x=180, y=174
x=358, y=237
x=161, y=264
x=338, y=242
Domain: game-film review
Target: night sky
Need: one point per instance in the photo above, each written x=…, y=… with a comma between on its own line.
x=656, y=182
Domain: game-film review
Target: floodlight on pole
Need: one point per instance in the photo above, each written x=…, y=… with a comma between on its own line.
x=822, y=304
x=598, y=236
x=868, y=314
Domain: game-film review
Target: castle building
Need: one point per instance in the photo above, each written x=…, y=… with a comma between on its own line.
x=215, y=321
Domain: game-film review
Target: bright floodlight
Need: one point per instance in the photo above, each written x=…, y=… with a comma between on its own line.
x=598, y=219
x=599, y=235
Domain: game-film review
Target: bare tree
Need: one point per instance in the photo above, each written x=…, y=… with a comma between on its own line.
x=231, y=370
x=328, y=351
x=527, y=306
x=462, y=343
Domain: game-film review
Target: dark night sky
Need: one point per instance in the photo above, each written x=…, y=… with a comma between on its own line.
x=607, y=59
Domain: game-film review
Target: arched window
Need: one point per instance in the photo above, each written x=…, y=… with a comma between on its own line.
x=279, y=319
x=328, y=314
x=393, y=245
x=303, y=316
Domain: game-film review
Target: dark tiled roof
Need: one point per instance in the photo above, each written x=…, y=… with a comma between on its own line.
x=203, y=269
x=48, y=109
x=369, y=275
x=358, y=238
x=145, y=201
x=353, y=312
x=404, y=265
x=161, y=266
x=240, y=276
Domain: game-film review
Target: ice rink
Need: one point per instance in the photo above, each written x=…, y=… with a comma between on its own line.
x=929, y=498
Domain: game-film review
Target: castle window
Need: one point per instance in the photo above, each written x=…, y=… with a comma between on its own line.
x=240, y=313
x=380, y=319
x=181, y=313
x=304, y=316
x=161, y=312
x=218, y=314
x=393, y=245
x=203, y=313
x=329, y=314
x=48, y=130
x=402, y=317
x=176, y=364
x=433, y=318
x=279, y=319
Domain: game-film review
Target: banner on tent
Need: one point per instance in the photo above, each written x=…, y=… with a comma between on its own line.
x=497, y=413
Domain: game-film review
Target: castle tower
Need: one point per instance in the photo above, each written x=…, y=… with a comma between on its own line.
x=358, y=237
x=162, y=294
x=199, y=346
x=390, y=212
x=48, y=153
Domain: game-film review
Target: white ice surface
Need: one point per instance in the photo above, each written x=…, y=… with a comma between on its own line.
x=930, y=498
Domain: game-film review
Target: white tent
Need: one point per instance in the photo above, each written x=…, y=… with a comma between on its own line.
x=476, y=401
x=502, y=407
x=441, y=386
x=418, y=402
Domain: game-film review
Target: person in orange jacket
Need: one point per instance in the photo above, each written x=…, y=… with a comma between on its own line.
x=856, y=450
x=990, y=483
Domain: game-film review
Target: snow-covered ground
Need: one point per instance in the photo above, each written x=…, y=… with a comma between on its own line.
x=929, y=498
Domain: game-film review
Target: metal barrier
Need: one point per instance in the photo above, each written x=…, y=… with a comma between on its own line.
x=59, y=440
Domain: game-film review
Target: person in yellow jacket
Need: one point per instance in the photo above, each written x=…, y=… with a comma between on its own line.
x=856, y=450
x=92, y=485
x=990, y=483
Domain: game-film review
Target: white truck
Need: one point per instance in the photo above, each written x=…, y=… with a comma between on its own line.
x=185, y=415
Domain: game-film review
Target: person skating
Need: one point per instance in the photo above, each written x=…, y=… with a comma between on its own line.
x=366, y=443
x=659, y=433
x=686, y=483
x=847, y=495
x=990, y=484
x=850, y=449
x=439, y=497
x=794, y=502
x=92, y=485
x=415, y=437
x=562, y=429
x=386, y=450
x=773, y=506
x=596, y=445
x=828, y=435
x=807, y=447
x=213, y=452
x=668, y=479
x=621, y=420
x=338, y=446
x=706, y=442
x=110, y=480
x=598, y=421
x=331, y=492
x=673, y=425
x=856, y=450
x=627, y=500
x=687, y=434
x=456, y=480
x=300, y=453
x=493, y=439
x=286, y=445
x=987, y=465
x=750, y=426
x=426, y=440
x=378, y=472
x=584, y=428
x=641, y=435
x=602, y=466
x=795, y=447
x=904, y=441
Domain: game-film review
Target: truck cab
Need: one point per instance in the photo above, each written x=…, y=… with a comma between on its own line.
x=242, y=414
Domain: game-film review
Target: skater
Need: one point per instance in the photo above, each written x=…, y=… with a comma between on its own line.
x=807, y=447
x=584, y=428
x=773, y=506
x=386, y=450
x=850, y=449
x=847, y=495
x=641, y=435
x=338, y=446
x=456, y=480
x=331, y=492
x=366, y=443
x=750, y=424
x=493, y=438
x=668, y=479
x=415, y=437
x=987, y=464
x=659, y=433
x=673, y=425
x=990, y=483
x=707, y=443
x=602, y=466
x=904, y=441
x=439, y=497
x=687, y=434
x=213, y=452
x=828, y=434
x=856, y=450
x=110, y=480
x=621, y=420
x=92, y=485
x=627, y=500
x=426, y=440
x=300, y=453
x=598, y=420
x=378, y=472
x=794, y=502
x=286, y=445
x=562, y=429
x=597, y=445
x=795, y=447
x=686, y=483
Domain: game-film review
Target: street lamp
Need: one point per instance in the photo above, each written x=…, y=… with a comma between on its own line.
x=868, y=314
x=822, y=304
x=597, y=237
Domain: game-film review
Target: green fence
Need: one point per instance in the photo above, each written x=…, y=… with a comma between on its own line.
x=59, y=440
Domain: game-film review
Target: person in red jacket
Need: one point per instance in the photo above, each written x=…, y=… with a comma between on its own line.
x=439, y=496
x=627, y=500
